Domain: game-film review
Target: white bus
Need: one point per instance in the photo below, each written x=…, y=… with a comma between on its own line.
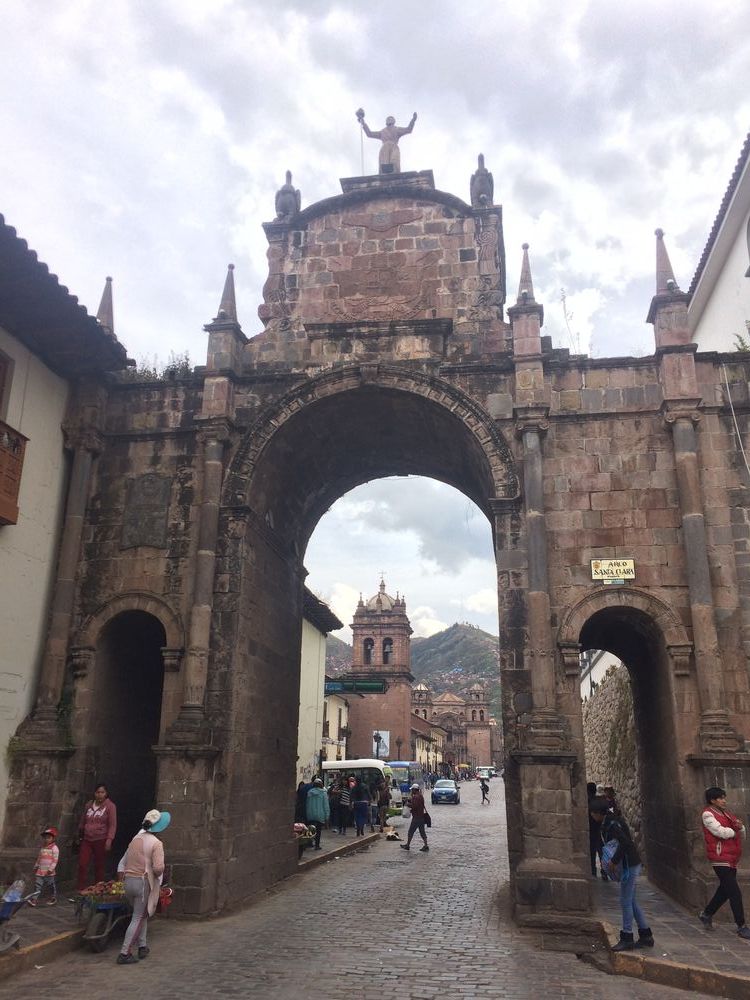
x=361, y=767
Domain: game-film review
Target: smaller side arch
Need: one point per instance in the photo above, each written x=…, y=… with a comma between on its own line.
x=135, y=600
x=664, y=617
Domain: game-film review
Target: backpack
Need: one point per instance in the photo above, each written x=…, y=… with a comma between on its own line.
x=621, y=871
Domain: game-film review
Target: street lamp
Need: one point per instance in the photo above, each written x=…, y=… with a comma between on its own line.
x=377, y=739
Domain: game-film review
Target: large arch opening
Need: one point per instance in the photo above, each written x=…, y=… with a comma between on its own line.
x=333, y=434
x=636, y=730
x=128, y=685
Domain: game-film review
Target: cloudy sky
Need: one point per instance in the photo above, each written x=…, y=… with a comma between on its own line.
x=145, y=139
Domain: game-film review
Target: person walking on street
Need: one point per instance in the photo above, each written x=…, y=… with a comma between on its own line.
x=334, y=794
x=361, y=802
x=96, y=831
x=485, y=791
x=317, y=808
x=595, y=835
x=723, y=832
x=345, y=807
x=614, y=828
x=142, y=869
x=418, y=810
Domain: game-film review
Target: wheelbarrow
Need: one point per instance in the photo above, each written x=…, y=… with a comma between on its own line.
x=8, y=909
x=101, y=919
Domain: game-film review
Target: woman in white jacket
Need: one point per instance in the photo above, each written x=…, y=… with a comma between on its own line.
x=142, y=868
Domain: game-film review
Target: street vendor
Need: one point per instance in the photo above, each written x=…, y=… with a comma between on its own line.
x=142, y=867
x=96, y=831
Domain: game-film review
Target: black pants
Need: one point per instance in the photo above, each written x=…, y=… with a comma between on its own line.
x=728, y=890
x=318, y=830
x=416, y=824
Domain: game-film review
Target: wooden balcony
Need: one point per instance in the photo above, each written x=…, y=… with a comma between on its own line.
x=12, y=448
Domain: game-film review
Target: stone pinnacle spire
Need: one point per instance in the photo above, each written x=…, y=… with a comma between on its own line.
x=228, y=305
x=665, y=281
x=668, y=309
x=525, y=285
x=105, y=314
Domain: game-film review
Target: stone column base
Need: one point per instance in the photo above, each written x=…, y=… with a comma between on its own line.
x=541, y=885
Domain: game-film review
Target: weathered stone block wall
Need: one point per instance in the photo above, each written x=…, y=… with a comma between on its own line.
x=611, y=744
x=409, y=257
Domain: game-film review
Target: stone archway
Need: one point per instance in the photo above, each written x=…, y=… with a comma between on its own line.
x=336, y=431
x=650, y=640
x=125, y=689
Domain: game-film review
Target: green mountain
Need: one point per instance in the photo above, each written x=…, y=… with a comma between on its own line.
x=451, y=660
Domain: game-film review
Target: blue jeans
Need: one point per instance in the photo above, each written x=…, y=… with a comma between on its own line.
x=630, y=908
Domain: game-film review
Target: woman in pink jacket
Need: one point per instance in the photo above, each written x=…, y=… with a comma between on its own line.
x=96, y=831
x=723, y=833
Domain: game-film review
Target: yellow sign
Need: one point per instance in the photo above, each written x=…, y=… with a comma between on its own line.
x=612, y=570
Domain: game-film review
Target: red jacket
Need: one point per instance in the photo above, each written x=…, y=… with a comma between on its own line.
x=722, y=832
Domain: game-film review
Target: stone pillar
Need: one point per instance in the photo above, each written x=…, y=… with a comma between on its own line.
x=188, y=727
x=716, y=734
x=676, y=354
x=83, y=437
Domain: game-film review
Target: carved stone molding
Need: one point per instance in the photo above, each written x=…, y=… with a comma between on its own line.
x=679, y=656
x=81, y=658
x=172, y=658
x=570, y=653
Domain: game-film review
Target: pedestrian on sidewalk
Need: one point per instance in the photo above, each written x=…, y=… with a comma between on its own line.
x=299, y=802
x=318, y=809
x=723, y=832
x=142, y=869
x=595, y=835
x=418, y=810
x=96, y=831
x=485, y=791
x=46, y=867
x=361, y=803
x=384, y=800
x=345, y=807
x=334, y=796
x=615, y=829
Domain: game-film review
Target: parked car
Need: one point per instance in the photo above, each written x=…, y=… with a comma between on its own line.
x=446, y=790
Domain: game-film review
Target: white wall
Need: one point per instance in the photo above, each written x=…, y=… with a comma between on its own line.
x=311, y=688
x=335, y=749
x=28, y=550
x=727, y=308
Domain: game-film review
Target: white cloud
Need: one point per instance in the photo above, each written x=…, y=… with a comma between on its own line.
x=483, y=601
x=424, y=621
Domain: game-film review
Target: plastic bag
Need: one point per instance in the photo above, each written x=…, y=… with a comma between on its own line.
x=406, y=812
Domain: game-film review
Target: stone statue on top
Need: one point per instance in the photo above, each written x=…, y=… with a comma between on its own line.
x=481, y=186
x=390, y=155
x=288, y=200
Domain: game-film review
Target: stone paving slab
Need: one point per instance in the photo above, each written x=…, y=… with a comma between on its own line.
x=373, y=924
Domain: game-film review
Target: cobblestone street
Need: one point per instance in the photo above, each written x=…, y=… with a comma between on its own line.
x=373, y=925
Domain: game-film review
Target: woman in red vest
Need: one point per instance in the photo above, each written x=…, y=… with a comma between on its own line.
x=723, y=834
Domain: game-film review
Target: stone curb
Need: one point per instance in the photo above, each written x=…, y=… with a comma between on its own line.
x=337, y=852
x=41, y=953
x=640, y=965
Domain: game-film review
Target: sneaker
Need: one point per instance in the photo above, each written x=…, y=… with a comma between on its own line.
x=707, y=920
x=143, y=952
x=126, y=959
x=425, y=848
x=404, y=847
x=744, y=932
x=52, y=902
x=32, y=902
